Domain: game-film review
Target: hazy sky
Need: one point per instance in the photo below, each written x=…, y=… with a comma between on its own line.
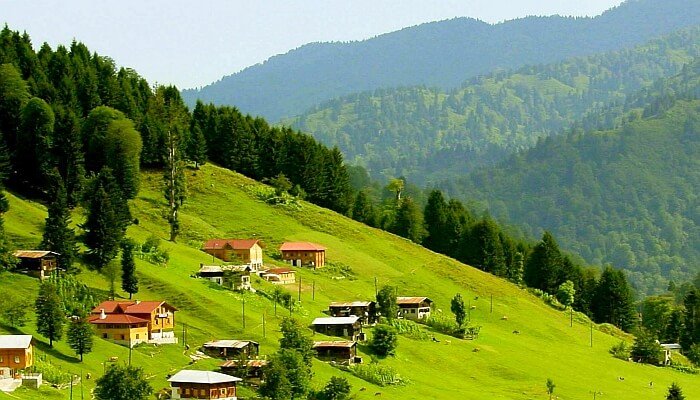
x=193, y=43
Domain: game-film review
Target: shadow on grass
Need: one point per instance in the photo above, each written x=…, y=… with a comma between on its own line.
x=44, y=348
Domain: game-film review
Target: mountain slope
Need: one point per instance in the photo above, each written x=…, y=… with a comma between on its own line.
x=429, y=135
x=627, y=196
x=222, y=203
x=442, y=54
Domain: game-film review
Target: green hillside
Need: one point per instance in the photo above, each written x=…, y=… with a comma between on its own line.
x=431, y=134
x=221, y=203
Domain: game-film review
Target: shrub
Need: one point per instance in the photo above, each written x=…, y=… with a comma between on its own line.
x=693, y=354
x=384, y=340
x=378, y=374
x=646, y=349
x=409, y=328
x=620, y=351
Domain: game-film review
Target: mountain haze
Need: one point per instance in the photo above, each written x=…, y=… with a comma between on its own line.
x=441, y=54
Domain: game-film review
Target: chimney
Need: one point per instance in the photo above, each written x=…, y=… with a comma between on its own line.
x=102, y=313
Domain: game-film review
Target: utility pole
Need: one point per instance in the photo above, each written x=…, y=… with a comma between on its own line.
x=491, y=304
x=131, y=347
x=376, y=291
x=263, y=320
x=591, y=334
x=313, y=291
x=299, y=289
x=71, y=386
x=244, y=313
x=469, y=311
x=571, y=323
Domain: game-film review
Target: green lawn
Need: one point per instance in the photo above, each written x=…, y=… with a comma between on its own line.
x=499, y=365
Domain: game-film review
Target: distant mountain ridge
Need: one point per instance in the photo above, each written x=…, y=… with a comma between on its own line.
x=441, y=54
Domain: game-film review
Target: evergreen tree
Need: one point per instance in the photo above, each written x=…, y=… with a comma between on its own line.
x=69, y=153
x=197, y=147
x=123, y=383
x=130, y=283
x=49, y=312
x=515, y=272
x=675, y=392
x=276, y=385
x=457, y=307
x=386, y=302
x=122, y=151
x=692, y=319
x=646, y=349
x=58, y=235
x=435, y=215
x=14, y=94
x=34, y=144
x=613, y=301
x=484, y=249
x=102, y=228
x=174, y=178
x=408, y=221
x=298, y=372
x=337, y=388
x=543, y=267
x=80, y=337
x=335, y=192
x=363, y=209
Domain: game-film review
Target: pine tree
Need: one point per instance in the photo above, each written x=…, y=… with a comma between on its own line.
x=408, y=221
x=49, y=312
x=691, y=334
x=675, y=392
x=543, y=267
x=69, y=153
x=123, y=151
x=58, y=235
x=335, y=192
x=435, y=216
x=386, y=302
x=80, y=337
x=102, y=228
x=34, y=144
x=457, y=308
x=130, y=283
x=197, y=147
x=613, y=301
x=363, y=209
x=174, y=178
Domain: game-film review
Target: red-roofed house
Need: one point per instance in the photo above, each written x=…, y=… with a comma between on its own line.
x=245, y=251
x=304, y=254
x=133, y=322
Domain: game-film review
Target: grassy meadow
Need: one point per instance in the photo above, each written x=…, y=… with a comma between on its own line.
x=500, y=364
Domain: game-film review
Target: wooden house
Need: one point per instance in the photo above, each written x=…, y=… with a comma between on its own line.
x=414, y=308
x=669, y=349
x=213, y=273
x=303, y=254
x=38, y=263
x=232, y=348
x=237, y=277
x=195, y=384
x=16, y=354
x=365, y=310
x=280, y=276
x=123, y=321
x=347, y=327
x=340, y=351
x=244, y=251
x=247, y=369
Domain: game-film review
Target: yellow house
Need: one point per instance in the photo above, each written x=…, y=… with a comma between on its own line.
x=133, y=322
x=16, y=354
x=245, y=251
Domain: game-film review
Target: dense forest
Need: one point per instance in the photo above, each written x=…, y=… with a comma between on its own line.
x=439, y=54
x=428, y=135
x=72, y=124
x=626, y=196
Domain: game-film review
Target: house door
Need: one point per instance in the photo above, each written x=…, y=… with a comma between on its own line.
x=298, y=263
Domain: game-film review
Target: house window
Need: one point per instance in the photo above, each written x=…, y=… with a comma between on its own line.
x=187, y=392
x=202, y=392
x=104, y=336
x=122, y=337
x=413, y=311
x=0, y=359
x=222, y=392
x=138, y=336
x=16, y=359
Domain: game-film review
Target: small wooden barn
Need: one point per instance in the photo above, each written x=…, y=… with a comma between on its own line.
x=38, y=263
x=414, y=308
x=346, y=327
x=232, y=348
x=340, y=351
x=365, y=310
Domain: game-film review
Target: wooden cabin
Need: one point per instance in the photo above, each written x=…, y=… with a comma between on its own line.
x=365, y=310
x=232, y=348
x=304, y=254
x=340, y=351
x=669, y=349
x=195, y=384
x=37, y=263
x=280, y=276
x=347, y=327
x=16, y=354
x=117, y=318
x=244, y=251
x=213, y=273
x=247, y=369
x=415, y=308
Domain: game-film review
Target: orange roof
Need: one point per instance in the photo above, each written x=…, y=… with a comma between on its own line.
x=118, y=319
x=280, y=271
x=236, y=244
x=301, y=246
x=129, y=307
